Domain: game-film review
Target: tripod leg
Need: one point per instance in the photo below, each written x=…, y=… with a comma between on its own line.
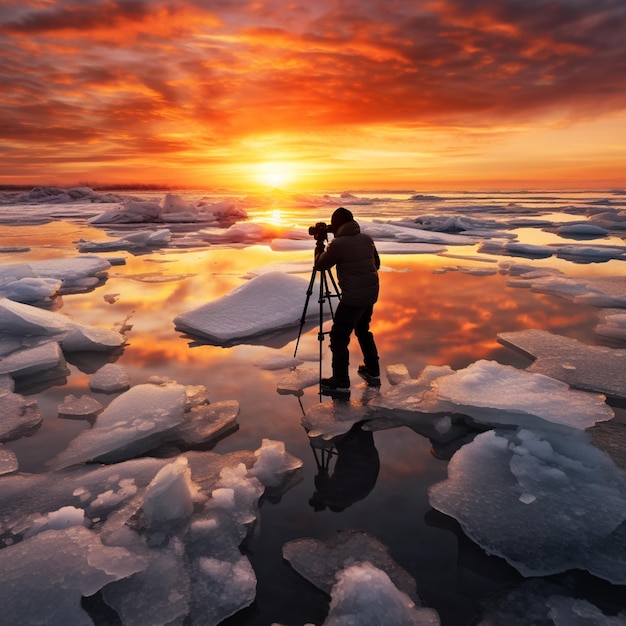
x=309, y=292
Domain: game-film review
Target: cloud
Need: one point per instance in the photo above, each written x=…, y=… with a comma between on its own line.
x=229, y=70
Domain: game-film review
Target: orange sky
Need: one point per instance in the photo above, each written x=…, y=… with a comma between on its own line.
x=357, y=94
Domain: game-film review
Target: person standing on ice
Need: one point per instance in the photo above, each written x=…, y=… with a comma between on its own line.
x=357, y=261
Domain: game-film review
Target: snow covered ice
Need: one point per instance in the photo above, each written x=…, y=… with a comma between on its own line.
x=265, y=304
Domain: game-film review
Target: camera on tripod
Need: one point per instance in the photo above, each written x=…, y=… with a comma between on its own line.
x=320, y=231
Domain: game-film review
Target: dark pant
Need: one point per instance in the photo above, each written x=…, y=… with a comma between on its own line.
x=347, y=319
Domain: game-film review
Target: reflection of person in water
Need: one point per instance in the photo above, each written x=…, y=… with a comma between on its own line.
x=354, y=475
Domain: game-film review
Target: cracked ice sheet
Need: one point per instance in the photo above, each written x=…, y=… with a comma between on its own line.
x=546, y=502
x=596, y=368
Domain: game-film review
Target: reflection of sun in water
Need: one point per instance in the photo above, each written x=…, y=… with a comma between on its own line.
x=276, y=217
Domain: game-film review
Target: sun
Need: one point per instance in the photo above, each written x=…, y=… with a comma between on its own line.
x=275, y=174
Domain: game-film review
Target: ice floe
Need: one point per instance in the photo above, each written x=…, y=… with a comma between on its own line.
x=132, y=424
x=612, y=324
x=545, y=501
x=38, y=281
x=159, y=537
x=598, y=291
x=45, y=577
x=263, y=305
x=490, y=393
x=8, y=461
x=79, y=407
x=596, y=368
x=134, y=241
x=110, y=378
x=24, y=320
x=19, y=415
x=365, y=584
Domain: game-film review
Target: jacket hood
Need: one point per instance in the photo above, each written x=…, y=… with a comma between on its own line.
x=349, y=228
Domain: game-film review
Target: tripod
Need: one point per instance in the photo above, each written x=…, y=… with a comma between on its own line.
x=326, y=280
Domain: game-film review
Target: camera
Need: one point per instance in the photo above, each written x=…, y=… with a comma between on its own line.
x=320, y=231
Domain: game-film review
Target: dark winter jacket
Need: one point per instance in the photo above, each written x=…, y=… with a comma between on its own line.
x=357, y=261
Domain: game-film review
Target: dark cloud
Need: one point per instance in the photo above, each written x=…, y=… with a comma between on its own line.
x=68, y=16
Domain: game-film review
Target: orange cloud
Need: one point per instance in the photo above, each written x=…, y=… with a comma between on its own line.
x=132, y=80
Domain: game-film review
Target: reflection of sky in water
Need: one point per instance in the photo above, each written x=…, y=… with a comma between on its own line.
x=422, y=318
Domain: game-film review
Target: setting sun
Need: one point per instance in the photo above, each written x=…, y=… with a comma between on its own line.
x=276, y=174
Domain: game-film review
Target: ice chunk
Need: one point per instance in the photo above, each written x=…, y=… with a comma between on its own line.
x=207, y=422
x=20, y=415
x=82, y=407
x=220, y=589
x=8, y=461
x=22, y=319
x=597, y=368
x=298, y=379
x=500, y=394
x=319, y=561
x=397, y=373
x=156, y=596
x=599, y=291
x=613, y=324
x=134, y=241
x=583, y=229
x=267, y=303
x=572, y=519
x=40, y=280
x=237, y=493
x=33, y=360
x=169, y=497
x=42, y=579
x=57, y=520
x=110, y=378
x=590, y=254
x=366, y=596
x=132, y=424
x=273, y=463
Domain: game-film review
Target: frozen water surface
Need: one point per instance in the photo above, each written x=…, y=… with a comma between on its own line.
x=473, y=486
x=597, y=368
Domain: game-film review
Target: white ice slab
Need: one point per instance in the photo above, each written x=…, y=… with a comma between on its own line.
x=268, y=303
x=21, y=319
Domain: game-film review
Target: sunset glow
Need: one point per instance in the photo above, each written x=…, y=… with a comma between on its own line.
x=437, y=94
